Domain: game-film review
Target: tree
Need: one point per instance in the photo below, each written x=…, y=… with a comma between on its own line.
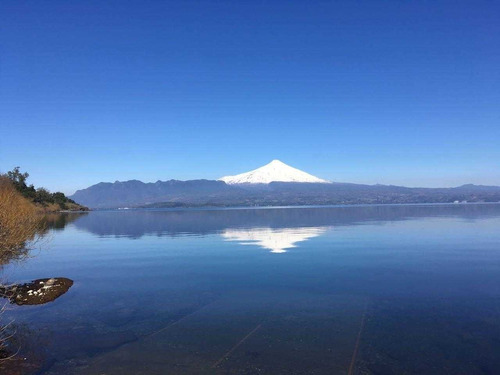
x=18, y=178
x=43, y=196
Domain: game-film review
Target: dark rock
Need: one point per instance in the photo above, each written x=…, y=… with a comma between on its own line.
x=37, y=292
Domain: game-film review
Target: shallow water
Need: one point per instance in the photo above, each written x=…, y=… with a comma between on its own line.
x=330, y=290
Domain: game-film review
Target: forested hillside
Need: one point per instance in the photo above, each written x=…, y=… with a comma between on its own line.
x=41, y=197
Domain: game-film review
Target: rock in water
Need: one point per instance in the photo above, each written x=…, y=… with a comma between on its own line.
x=37, y=292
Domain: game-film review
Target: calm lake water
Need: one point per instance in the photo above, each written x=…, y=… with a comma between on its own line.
x=331, y=290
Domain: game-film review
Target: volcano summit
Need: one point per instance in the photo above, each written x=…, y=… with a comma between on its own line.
x=275, y=171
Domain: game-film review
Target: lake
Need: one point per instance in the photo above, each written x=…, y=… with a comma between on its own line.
x=309, y=290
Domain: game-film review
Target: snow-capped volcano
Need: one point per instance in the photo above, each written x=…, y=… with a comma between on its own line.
x=275, y=171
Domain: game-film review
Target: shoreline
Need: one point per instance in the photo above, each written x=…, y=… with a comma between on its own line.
x=222, y=208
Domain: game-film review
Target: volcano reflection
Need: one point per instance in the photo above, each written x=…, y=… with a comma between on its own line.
x=278, y=240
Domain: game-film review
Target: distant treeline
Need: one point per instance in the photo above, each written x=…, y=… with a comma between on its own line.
x=41, y=196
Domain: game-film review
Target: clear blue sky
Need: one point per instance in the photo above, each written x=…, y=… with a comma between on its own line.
x=401, y=92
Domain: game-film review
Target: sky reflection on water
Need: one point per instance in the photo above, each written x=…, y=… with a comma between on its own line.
x=179, y=291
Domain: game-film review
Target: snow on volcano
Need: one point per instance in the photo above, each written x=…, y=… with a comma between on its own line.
x=275, y=171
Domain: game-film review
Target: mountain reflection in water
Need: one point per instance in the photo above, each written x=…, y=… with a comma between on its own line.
x=276, y=240
x=138, y=223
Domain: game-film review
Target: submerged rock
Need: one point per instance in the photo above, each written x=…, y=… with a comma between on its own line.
x=37, y=292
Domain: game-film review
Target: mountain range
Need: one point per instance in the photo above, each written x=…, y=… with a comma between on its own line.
x=275, y=184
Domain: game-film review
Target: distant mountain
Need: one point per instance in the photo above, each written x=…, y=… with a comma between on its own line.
x=200, y=193
x=134, y=193
x=275, y=184
x=275, y=171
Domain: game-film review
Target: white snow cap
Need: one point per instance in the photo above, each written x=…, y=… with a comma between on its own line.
x=275, y=171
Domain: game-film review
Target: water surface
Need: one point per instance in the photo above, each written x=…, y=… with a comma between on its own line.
x=329, y=290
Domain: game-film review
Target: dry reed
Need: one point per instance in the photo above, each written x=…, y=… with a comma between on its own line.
x=20, y=222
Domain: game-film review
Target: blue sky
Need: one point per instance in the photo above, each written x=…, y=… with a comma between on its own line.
x=394, y=92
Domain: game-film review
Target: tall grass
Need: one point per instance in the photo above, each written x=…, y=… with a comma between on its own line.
x=20, y=227
x=20, y=222
x=6, y=335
